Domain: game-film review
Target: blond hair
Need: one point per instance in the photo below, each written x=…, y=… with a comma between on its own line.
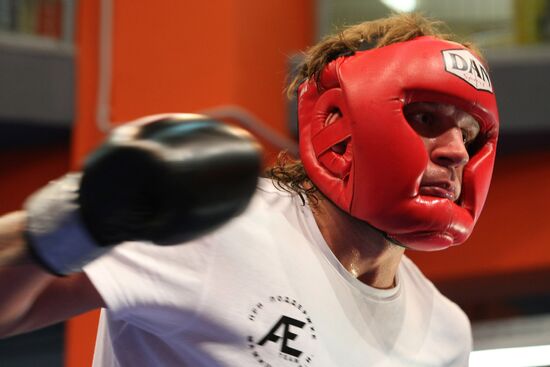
x=372, y=34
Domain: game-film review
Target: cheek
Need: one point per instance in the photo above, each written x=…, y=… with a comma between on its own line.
x=428, y=144
x=459, y=173
x=430, y=167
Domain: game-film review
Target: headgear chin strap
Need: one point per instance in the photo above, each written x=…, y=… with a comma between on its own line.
x=370, y=162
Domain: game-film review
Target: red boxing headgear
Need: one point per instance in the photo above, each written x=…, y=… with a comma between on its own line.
x=370, y=161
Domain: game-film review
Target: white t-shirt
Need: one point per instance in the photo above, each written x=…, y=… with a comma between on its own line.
x=266, y=290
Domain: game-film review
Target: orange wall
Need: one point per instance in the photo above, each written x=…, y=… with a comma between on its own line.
x=184, y=56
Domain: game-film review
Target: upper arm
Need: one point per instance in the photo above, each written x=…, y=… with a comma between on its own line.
x=62, y=299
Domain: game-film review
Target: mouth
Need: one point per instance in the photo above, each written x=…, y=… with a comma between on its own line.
x=439, y=189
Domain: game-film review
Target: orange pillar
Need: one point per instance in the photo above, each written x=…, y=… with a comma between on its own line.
x=80, y=331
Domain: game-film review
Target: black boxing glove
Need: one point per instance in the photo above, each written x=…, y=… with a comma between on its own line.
x=164, y=178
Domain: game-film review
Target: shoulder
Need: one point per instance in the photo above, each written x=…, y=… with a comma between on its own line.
x=409, y=270
x=269, y=205
x=441, y=306
x=413, y=278
x=444, y=312
x=413, y=275
x=270, y=195
x=270, y=208
x=449, y=324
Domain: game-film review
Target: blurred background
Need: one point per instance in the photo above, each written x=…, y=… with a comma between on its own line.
x=70, y=70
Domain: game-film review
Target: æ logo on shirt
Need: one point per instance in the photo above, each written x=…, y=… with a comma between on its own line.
x=281, y=333
x=285, y=322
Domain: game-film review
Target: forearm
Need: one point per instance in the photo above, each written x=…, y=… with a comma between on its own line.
x=13, y=249
x=21, y=279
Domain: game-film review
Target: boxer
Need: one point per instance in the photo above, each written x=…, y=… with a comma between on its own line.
x=398, y=126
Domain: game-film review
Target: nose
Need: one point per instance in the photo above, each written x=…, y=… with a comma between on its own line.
x=449, y=149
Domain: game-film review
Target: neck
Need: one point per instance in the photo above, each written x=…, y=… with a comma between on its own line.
x=363, y=250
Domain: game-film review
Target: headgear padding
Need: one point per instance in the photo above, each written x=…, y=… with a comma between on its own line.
x=369, y=161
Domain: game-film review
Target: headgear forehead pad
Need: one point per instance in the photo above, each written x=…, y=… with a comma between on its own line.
x=369, y=161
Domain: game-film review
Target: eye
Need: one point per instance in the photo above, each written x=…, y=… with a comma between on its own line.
x=466, y=139
x=425, y=123
x=471, y=140
x=424, y=118
x=469, y=134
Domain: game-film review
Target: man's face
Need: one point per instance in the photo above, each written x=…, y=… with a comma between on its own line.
x=447, y=132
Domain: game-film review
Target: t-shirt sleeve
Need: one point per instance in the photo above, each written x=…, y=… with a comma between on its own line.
x=136, y=278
